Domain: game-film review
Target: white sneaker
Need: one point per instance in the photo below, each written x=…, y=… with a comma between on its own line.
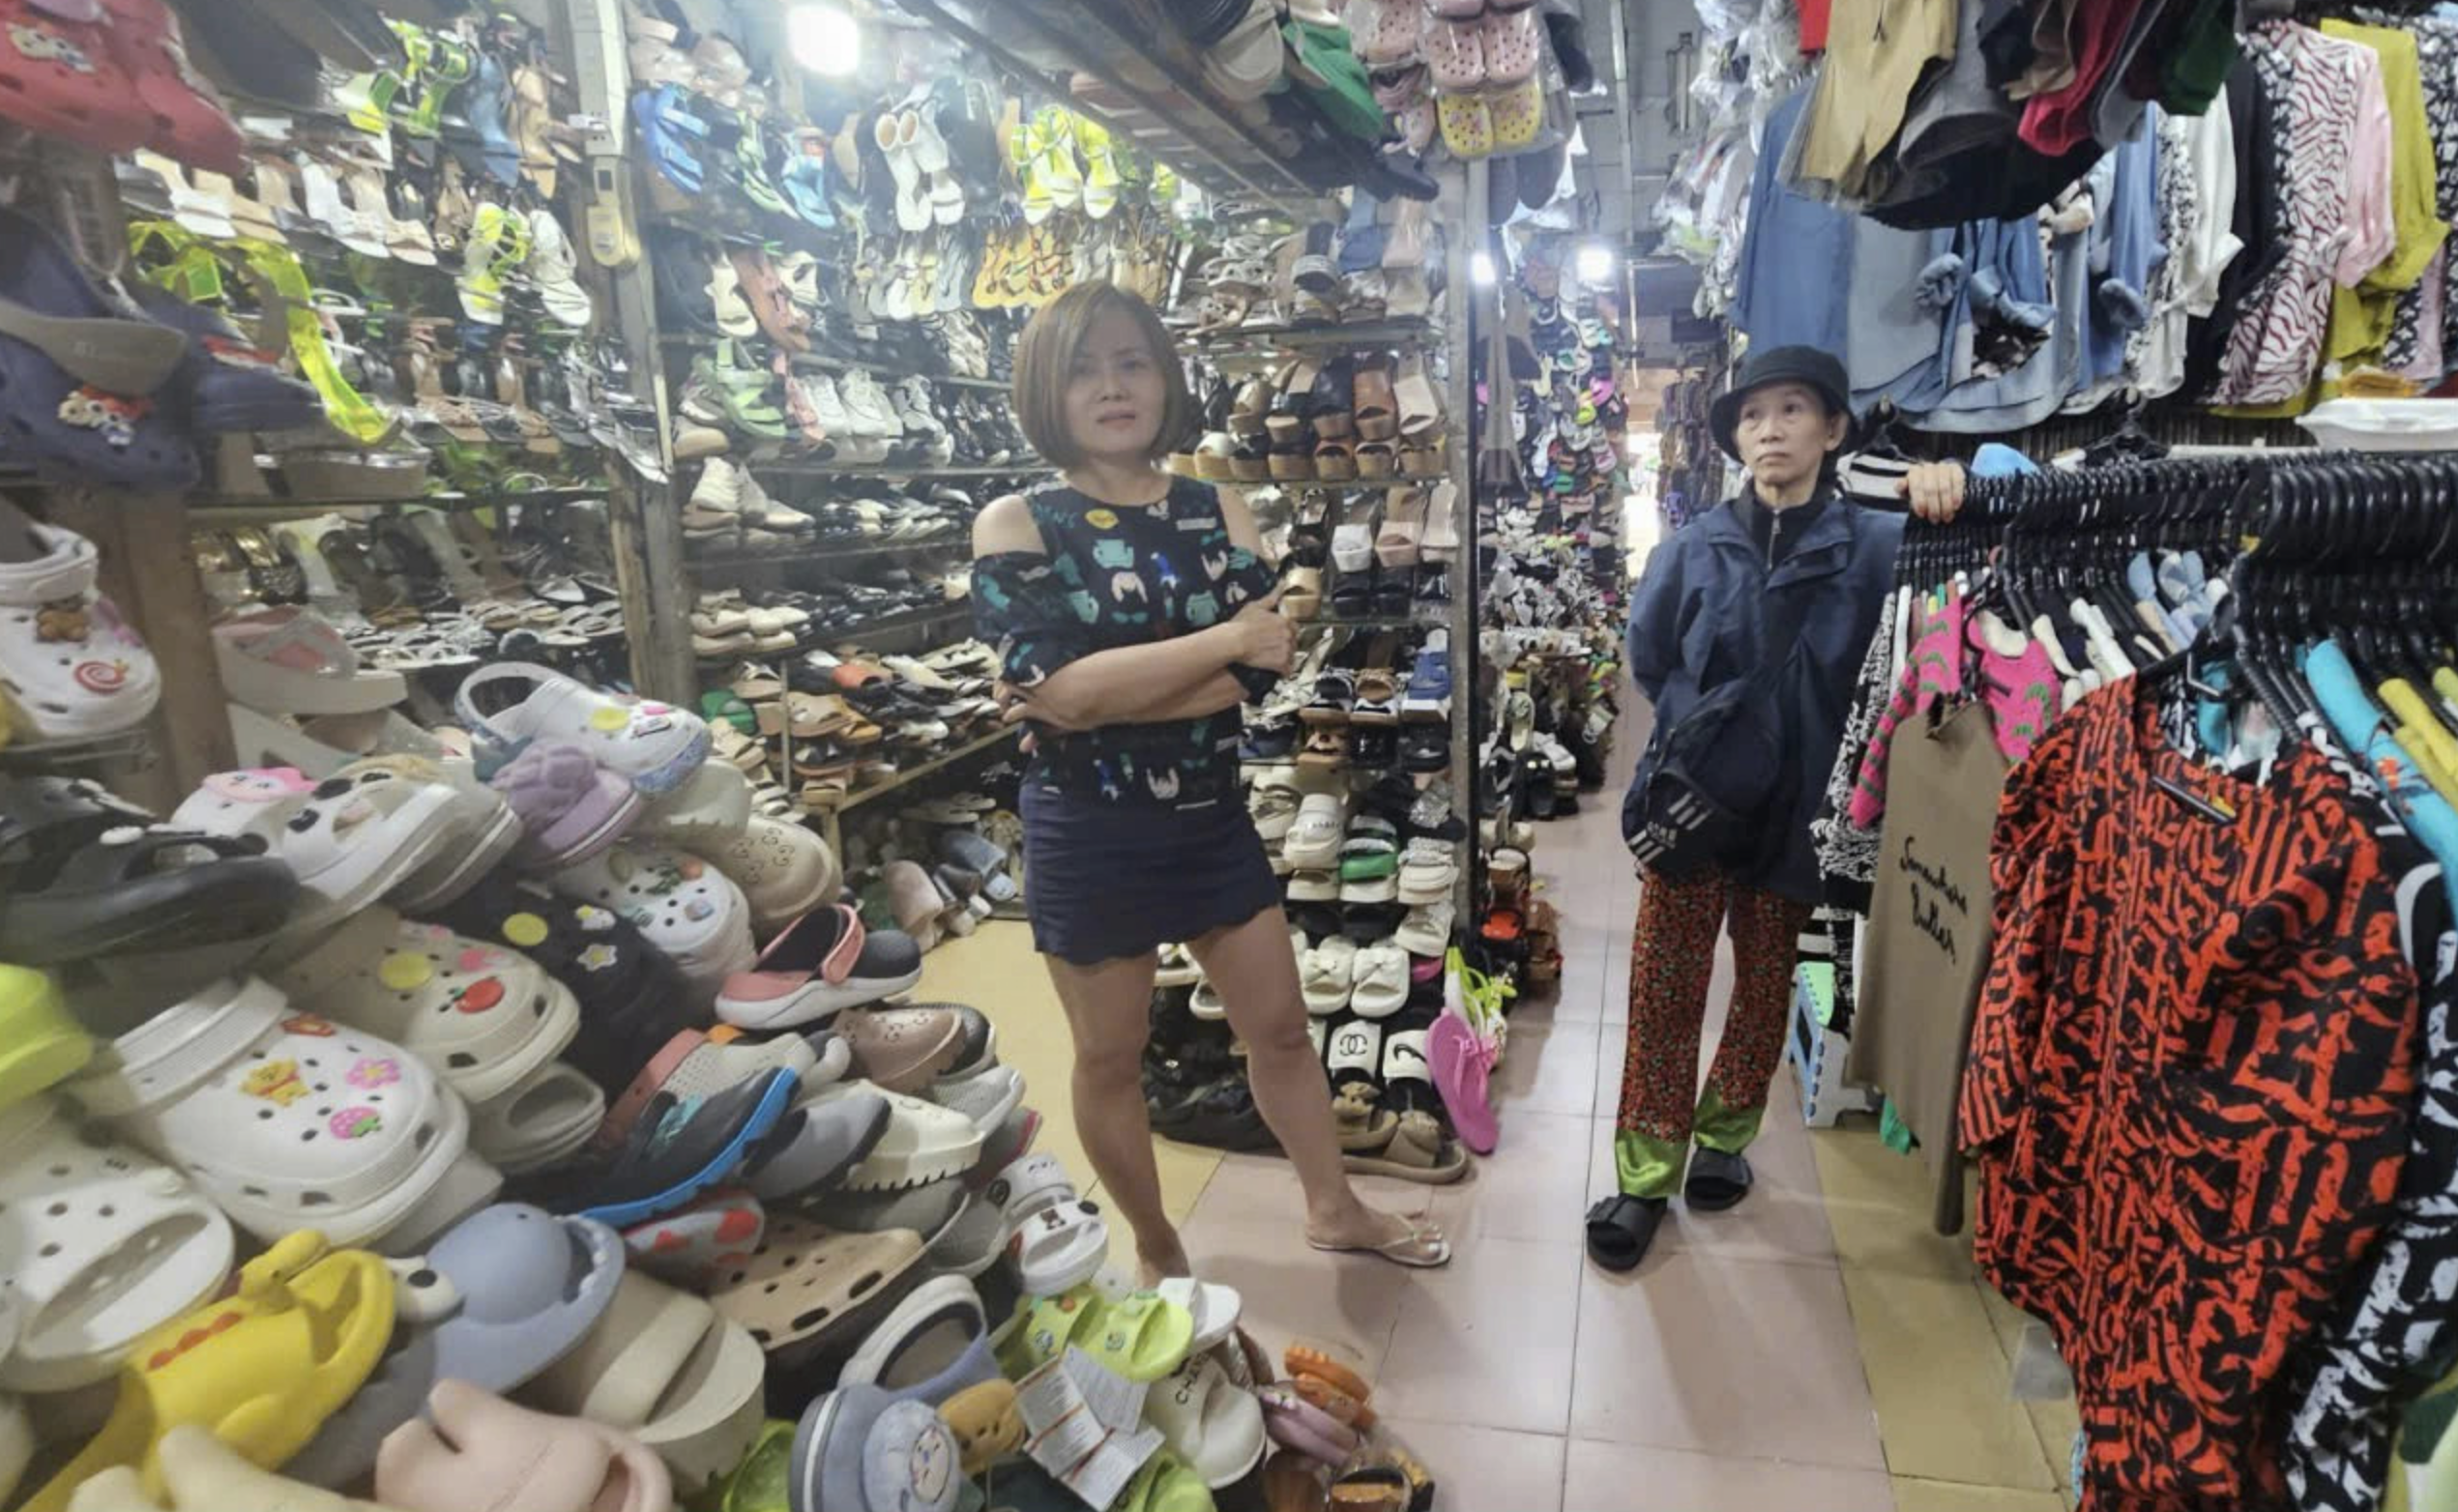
x=720, y=487
x=873, y=419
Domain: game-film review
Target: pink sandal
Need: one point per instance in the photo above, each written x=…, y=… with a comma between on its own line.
x=1463, y=1066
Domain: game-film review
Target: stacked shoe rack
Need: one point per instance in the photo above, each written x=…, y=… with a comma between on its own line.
x=1105, y=71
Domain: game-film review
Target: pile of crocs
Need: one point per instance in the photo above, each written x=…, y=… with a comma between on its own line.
x=530, y=1130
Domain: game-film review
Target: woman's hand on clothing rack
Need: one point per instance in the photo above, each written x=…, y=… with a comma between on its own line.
x=1934, y=490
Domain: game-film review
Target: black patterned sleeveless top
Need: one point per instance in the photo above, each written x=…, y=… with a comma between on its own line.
x=1118, y=575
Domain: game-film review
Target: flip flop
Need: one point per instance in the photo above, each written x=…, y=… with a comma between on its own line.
x=1718, y=1180
x=664, y=1367
x=135, y=1248
x=480, y=1448
x=1621, y=1228
x=934, y=1346
x=261, y=1370
x=502, y=1296
x=803, y=1288
x=40, y=1043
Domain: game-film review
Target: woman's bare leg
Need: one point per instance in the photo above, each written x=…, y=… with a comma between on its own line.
x=1257, y=978
x=1109, y=1011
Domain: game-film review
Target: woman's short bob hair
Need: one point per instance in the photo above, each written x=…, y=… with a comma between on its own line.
x=1045, y=361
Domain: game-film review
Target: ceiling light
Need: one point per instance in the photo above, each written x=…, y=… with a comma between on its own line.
x=1595, y=264
x=1480, y=269
x=823, y=37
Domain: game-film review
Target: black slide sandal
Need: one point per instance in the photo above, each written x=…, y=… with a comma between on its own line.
x=1621, y=1229
x=1717, y=1181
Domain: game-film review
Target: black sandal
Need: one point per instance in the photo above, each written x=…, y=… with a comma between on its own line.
x=1621, y=1228
x=1717, y=1181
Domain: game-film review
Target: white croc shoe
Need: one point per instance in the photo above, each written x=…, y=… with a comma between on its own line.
x=288, y=1121
x=484, y=1018
x=686, y=907
x=72, y=669
x=100, y=1244
x=349, y=840
x=656, y=745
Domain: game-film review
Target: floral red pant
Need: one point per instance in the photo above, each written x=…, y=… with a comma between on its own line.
x=1671, y=963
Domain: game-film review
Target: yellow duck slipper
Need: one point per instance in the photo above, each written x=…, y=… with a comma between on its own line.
x=262, y=1369
x=39, y=1044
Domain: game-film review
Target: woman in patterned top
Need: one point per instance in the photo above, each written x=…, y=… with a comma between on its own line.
x=1133, y=617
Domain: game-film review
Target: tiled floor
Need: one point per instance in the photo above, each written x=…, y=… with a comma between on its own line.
x=1816, y=1347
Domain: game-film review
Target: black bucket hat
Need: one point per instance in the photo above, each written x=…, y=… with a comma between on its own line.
x=1803, y=364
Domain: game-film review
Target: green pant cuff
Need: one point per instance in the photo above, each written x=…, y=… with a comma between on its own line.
x=1648, y=1167
x=1716, y=1126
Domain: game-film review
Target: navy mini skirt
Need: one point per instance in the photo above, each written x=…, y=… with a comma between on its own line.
x=1107, y=880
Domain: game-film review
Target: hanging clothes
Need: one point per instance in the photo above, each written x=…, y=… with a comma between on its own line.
x=2191, y=1071
x=2320, y=88
x=1794, y=278
x=1929, y=926
x=2256, y=226
x=1875, y=52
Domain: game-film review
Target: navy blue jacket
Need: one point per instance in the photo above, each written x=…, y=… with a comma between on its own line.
x=1701, y=615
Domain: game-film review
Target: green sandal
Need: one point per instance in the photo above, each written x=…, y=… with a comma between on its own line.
x=439, y=64
x=1140, y=1336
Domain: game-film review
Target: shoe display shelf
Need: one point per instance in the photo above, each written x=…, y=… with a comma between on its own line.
x=1190, y=102
x=403, y=254
x=1357, y=768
